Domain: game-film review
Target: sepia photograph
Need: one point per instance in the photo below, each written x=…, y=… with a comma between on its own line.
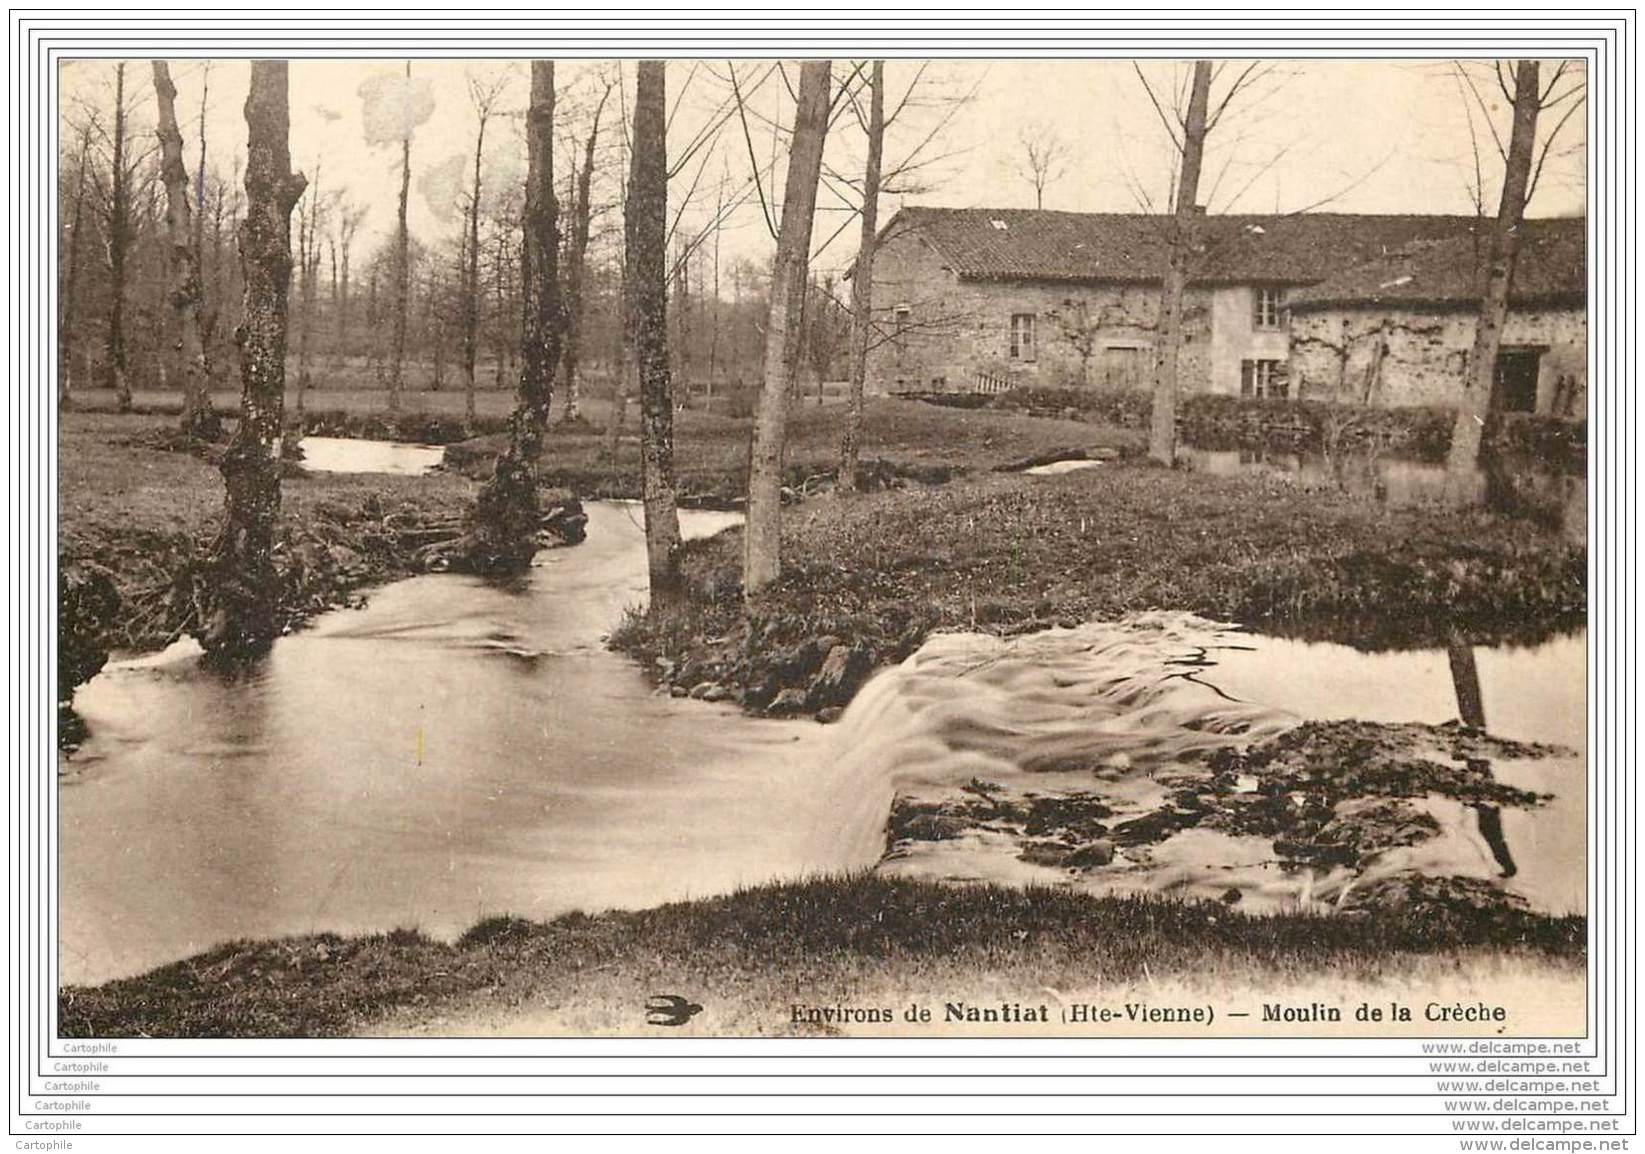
x=821, y=548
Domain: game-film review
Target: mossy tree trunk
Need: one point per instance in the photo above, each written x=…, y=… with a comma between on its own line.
x=183, y=265
x=785, y=330
x=646, y=270
x=503, y=532
x=239, y=620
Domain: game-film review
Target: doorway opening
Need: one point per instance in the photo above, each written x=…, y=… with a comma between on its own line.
x=1514, y=390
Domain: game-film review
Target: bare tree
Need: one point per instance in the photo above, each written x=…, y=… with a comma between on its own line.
x=237, y=619
x=69, y=306
x=1522, y=167
x=646, y=261
x=182, y=264
x=682, y=319
x=1044, y=159
x=402, y=268
x=346, y=218
x=862, y=280
x=625, y=367
x=484, y=95
x=503, y=535
x=576, y=256
x=119, y=239
x=200, y=166
x=308, y=265
x=762, y=558
x=714, y=320
x=1162, y=438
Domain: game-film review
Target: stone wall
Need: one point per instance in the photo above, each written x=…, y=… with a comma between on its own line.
x=939, y=333
x=1335, y=353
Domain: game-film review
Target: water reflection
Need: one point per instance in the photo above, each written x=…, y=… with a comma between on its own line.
x=1555, y=502
x=1528, y=693
x=354, y=455
x=1471, y=710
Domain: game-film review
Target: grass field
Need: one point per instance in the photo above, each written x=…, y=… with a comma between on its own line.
x=866, y=941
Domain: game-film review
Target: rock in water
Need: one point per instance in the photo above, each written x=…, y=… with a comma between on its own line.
x=843, y=670
x=788, y=701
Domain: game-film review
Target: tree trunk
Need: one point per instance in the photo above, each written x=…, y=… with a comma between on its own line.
x=505, y=522
x=1162, y=438
x=119, y=229
x=308, y=230
x=71, y=281
x=624, y=369
x=211, y=297
x=374, y=343
x=342, y=307
x=331, y=257
x=471, y=277
x=1480, y=381
x=785, y=331
x=200, y=169
x=646, y=261
x=714, y=331
x=240, y=620
x=402, y=273
x=499, y=342
x=436, y=327
x=577, y=271
x=682, y=323
x=862, y=282
x=190, y=364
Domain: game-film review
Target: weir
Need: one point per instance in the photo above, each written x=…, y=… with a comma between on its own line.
x=456, y=750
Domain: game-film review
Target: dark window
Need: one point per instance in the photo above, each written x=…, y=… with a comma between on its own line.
x=1022, y=336
x=1263, y=378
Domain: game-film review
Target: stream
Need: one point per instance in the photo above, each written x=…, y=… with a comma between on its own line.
x=453, y=750
x=456, y=749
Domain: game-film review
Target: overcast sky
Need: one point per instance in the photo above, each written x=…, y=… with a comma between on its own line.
x=1360, y=136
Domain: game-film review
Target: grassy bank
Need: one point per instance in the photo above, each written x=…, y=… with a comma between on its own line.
x=903, y=441
x=146, y=517
x=749, y=955
x=873, y=576
x=145, y=513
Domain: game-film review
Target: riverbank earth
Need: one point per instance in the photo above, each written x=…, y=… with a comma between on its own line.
x=950, y=543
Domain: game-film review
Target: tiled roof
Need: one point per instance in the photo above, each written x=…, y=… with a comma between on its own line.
x=1033, y=244
x=1551, y=269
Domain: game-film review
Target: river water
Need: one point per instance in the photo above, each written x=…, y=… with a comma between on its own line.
x=455, y=750
x=450, y=751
